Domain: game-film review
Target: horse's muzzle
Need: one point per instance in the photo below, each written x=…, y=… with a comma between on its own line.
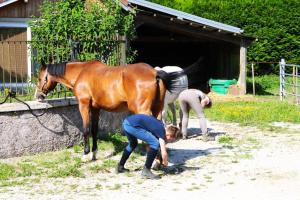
x=40, y=96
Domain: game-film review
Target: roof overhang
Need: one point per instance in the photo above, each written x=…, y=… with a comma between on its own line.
x=178, y=21
x=7, y=2
x=185, y=16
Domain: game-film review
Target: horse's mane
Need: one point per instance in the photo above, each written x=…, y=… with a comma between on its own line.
x=57, y=69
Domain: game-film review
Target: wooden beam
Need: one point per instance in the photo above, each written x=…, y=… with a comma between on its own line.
x=169, y=39
x=243, y=63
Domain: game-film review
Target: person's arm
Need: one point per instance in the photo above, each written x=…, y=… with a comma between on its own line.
x=164, y=153
x=200, y=94
x=204, y=98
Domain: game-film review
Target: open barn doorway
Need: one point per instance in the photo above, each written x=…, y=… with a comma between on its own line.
x=159, y=47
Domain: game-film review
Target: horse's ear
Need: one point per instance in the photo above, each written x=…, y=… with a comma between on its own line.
x=43, y=63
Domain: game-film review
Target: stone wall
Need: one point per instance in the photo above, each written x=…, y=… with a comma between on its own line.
x=21, y=133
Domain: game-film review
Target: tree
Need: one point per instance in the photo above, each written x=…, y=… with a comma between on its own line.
x=276, y=24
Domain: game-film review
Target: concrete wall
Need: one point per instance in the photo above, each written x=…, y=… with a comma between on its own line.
x=22, y=133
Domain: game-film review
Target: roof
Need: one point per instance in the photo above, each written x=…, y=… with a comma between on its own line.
x=182, y=15
x=6, y=2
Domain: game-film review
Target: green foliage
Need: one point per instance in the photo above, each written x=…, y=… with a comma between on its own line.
x=274, y=22
x=264, y=85
x=96, y=27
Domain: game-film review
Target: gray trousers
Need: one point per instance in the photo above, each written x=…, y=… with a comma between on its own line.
x=189, y=99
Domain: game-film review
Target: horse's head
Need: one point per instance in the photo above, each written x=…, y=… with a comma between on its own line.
x=45, y=84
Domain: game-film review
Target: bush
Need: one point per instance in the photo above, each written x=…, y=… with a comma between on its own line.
x=264, y=85
x=63, y=22
x=274, y=22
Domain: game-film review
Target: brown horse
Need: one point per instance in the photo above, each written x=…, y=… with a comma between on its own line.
x=137, y=88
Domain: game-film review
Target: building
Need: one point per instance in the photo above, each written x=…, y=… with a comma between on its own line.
x=165, y=36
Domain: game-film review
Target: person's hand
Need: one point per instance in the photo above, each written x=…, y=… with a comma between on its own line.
x=164, y=154
x=165, y=159
x=204, y=101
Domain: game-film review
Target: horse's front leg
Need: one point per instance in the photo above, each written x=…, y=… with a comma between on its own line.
x=95, y=119
x=85, y=114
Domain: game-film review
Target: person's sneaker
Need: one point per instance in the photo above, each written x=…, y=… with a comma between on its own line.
x=121, y=169
x=146, y=173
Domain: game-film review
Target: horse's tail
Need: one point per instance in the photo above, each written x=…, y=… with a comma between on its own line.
x=193, y=67
x=170, y=80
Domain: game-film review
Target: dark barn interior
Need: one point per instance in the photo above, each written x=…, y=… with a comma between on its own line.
x=159, y=47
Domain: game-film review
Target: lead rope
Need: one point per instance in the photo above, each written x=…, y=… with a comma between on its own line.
x=13, y=95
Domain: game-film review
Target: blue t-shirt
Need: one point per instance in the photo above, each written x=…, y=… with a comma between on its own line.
x=148, y=123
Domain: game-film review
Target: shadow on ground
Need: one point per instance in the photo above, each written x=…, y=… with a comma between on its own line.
x=195, y=132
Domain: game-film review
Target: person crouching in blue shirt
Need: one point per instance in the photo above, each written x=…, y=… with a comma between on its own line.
x=150, y=130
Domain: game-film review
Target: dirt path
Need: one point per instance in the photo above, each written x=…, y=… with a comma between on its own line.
x=260, y=165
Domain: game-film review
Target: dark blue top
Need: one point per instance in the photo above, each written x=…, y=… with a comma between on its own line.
x=148, y=123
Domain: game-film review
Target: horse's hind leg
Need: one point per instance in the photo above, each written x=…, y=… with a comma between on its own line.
x=173, y=110
x=85, y=114
x=95, y=119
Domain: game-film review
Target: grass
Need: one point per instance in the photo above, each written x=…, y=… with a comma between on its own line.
x=226, y=140
x=107, y=164
x=260, y=110
x=264, y=85
x=59, y=164
x=7, y=171
x=257, y=112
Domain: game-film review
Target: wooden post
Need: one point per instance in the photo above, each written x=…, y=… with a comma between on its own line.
x=29, y=70
x=253, y=82
x=243, y=63
x=123, y=50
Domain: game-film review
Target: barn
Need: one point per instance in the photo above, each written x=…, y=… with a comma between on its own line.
x=165, y=37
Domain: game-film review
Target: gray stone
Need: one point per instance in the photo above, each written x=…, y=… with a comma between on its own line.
x=61, y=126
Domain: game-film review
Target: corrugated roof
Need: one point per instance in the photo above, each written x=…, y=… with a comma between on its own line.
x=4, y=3
x=186, y=16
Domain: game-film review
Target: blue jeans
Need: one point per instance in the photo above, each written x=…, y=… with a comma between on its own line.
x=133, y=133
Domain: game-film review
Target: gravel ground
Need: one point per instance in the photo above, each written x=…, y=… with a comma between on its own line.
x=260, y=165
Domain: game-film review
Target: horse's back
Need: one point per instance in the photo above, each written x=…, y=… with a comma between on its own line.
x=141, y=70
x=112, y=88
x=170, y=69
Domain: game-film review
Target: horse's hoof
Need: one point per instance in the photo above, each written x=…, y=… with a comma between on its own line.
x=94, y=156
x=184, y=137
x=85, y=158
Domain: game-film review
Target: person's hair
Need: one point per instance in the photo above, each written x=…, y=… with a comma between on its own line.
x=209, y=103
x=174, y=131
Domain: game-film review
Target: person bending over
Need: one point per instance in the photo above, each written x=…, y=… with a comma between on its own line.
x=196, y=100
x=150, y=130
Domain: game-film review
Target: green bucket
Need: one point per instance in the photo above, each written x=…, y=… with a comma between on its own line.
x=221, y=86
